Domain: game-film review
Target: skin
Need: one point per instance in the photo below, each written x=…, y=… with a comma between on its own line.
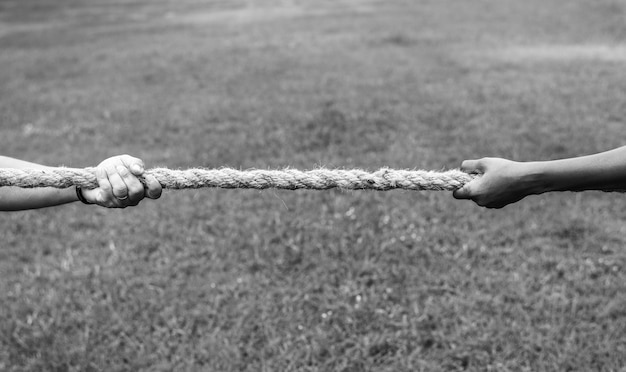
x=119, y=186
x=504, y=181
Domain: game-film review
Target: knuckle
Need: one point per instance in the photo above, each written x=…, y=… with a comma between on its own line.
x=119, y=190
x=123, y=171
x=136, y=191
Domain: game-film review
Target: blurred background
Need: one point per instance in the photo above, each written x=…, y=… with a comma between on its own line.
x=240, y=280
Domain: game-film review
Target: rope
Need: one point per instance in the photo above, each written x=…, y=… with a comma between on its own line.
x=290, y=179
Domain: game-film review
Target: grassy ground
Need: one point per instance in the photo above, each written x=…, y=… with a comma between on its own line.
x=221, y=280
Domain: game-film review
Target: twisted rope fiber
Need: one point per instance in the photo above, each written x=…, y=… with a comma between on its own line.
x=290, y=179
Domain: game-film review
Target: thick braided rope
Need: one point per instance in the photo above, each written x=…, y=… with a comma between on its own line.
x=290, y=179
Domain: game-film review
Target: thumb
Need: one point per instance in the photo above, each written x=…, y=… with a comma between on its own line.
x=464, y=192
x=468, y=166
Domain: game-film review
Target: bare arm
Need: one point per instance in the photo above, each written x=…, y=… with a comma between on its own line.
x=603, y=171
x=504, y=182
x=119, y=186
x=15, y=198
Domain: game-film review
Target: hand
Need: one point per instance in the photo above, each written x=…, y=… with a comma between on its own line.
x=502, y=182
x=119, y=186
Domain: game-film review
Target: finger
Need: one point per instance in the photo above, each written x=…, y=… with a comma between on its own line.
x=153, y=188
x=105, y=191
x=118, y=186
x=471, y=166
x=134, y=188
x=464, y=192
x=135, y=165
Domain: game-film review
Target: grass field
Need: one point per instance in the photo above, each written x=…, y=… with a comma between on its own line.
x=237, y=280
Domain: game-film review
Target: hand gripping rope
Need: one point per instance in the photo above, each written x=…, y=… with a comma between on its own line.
x=289, y=179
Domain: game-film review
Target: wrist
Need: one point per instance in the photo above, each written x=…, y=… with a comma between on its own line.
x=81, y=197
x=534, y=179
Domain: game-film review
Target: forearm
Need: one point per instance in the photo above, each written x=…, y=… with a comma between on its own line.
x=15, y=198
x=603, y=171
